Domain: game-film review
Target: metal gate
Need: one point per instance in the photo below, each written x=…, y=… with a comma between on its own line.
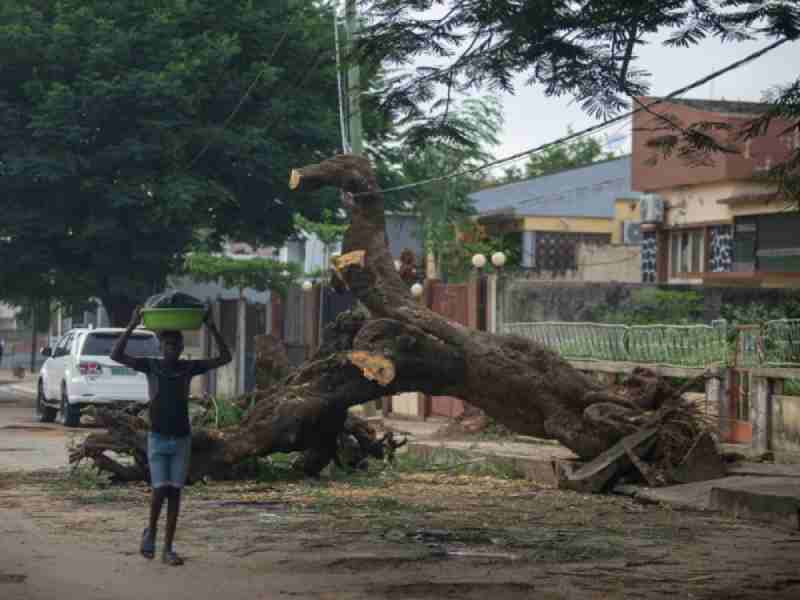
x=748, y=354
x=452, y=301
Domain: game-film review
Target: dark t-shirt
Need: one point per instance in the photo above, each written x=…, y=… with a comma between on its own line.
x=168, y=388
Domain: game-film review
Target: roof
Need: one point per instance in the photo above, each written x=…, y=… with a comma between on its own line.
x=720, y=106
x=750, y=198
x=588, y=191
x=107, y=330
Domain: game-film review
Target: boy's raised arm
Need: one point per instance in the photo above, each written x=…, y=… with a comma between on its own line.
x=224, y=352
x=118, y=352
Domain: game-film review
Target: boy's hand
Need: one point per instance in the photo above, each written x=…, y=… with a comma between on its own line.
x=136, y=318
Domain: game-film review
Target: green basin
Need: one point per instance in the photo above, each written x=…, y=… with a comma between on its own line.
x=172, y=318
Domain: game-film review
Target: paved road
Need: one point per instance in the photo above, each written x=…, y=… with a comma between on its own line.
x=25, y=444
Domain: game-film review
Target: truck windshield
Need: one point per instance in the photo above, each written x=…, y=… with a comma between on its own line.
x=101, y=344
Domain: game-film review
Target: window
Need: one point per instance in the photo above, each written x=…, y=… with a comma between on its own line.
x=778, y=243
x=687, y=252
x=101, y=344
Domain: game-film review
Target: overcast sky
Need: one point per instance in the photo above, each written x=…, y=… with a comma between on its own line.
x=533, y=119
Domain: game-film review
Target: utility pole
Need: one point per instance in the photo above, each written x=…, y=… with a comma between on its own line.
x=352, y=109
x=353, y=80
x=34, y=324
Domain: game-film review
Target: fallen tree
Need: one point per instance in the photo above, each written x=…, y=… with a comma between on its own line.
x=402, y=346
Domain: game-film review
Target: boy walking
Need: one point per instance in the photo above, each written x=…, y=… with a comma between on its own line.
x=169, y=443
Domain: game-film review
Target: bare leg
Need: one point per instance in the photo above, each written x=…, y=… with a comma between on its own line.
x=159, y=495
x=148, y=546
x=173, y=510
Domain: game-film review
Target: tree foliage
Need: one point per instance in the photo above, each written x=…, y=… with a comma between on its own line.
x=443, y=206
x=239, y=273
x=578, y=153
x=328, y=230
x=587, y=50
x=127, y=126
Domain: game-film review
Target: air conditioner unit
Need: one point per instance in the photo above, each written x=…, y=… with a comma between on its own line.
x=631, y=233
x=652, y=208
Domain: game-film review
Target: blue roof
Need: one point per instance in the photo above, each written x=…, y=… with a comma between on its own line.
x=588, y=191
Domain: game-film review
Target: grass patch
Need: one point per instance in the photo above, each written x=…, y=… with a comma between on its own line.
x=456, y=463
x=223, y=412
x=85, y=477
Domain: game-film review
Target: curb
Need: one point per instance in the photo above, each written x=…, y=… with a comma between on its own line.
x=778, y=506
x=22, y=389
x=542, y=471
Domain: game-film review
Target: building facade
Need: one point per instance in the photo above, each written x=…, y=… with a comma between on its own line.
x=715, y=219
x=558, y=214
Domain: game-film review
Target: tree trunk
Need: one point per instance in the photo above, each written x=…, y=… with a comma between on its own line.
x=402, y=346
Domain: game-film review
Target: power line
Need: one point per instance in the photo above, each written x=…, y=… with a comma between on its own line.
x=594, y=128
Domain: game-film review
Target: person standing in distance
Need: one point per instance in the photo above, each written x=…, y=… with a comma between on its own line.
x=169, y=442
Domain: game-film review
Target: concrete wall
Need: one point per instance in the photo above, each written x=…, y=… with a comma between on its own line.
x=569, y=224
x=699, y=203
x=786, y=424
x=597, y=262
x=624, y=210
x=406, y=404
x=530, y=299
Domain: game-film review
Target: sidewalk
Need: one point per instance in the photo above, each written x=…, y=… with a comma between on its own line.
x=26, y=385
x=759, y=491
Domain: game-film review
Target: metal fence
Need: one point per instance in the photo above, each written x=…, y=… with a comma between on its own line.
x=773, y=344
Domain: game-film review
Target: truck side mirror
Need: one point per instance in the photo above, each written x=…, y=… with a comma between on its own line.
x=46, y=351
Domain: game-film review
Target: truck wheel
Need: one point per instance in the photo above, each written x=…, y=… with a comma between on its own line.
x=44, y=413
x=70, y=413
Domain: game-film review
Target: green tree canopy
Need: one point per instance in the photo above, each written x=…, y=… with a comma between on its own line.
x=578, y=153
x=126, y=127
x=239, y=273
x=443, y=205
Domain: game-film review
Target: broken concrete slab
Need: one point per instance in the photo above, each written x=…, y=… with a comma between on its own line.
x=600, y=474
x=702, y=462
x=771, y=499
x=764, y=470
x=761, y=499
x=693, y=496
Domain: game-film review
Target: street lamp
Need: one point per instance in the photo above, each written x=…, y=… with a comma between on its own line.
x=307, y=285
x=498, y=259
x=416, y=290
x=478, y=261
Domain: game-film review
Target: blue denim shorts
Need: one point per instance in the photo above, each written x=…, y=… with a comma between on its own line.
x=168, y=457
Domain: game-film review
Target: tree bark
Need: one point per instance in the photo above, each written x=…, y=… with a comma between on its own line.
x=402, y=346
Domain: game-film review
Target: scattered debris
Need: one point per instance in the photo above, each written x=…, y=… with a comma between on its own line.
x=600, y=474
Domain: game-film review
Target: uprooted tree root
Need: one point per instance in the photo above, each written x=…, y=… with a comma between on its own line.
x=397, y=345
x=127, y=431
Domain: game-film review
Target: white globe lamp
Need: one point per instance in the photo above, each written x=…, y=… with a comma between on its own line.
x=498, y=259
x=416, y=290
x=479, y=261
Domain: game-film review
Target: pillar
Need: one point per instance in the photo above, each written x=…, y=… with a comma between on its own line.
x=717, y=396
x=241, y=343
x=759, y=413
x=268, y=314
x=491, y=303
